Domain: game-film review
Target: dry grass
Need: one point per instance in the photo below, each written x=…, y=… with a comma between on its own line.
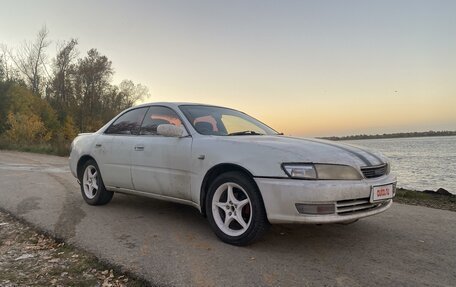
x=31, y=258
x=425, y=199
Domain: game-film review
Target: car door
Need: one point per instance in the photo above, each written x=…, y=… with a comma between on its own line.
x=113, y=149
x=161, y=165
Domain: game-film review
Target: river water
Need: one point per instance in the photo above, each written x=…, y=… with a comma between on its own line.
x=419, y=163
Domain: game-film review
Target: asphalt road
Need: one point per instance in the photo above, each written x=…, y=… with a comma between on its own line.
x=172, y=244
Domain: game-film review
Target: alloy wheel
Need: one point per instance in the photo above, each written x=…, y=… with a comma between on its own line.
x=90, y=181
x=232, y=209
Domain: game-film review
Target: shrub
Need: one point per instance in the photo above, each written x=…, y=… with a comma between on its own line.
x=26, y=128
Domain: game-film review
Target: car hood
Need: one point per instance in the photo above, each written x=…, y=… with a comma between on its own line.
x=292, y=149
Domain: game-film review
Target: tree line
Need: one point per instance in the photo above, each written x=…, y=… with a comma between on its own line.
x=46, y=101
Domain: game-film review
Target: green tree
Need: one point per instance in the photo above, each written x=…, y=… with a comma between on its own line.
x=122, y=97
x=5, y=102
x=68, y=131
x=22, y=101
x=92, y=83
x=78, y=95
x=130, y=93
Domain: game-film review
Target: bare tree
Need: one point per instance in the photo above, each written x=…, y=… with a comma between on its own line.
x=7, y=71
x=30, y=59
x=3, y=71
x=121, y=97
x=131, y=93
x=64, y=68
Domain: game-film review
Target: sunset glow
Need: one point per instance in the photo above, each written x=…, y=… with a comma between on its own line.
x=304, y=68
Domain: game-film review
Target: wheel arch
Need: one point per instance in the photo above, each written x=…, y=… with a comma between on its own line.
x=214, y=172
x=82, y=160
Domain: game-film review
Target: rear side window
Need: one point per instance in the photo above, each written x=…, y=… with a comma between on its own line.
x=128, y=123
x=158, y=116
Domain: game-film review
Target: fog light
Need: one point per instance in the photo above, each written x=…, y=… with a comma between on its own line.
x=315, y=208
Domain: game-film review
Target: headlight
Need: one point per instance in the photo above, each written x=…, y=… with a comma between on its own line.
x=321, y=171
x=303, y=171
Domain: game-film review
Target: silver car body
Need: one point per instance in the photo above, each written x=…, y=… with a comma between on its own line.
x=175, y=169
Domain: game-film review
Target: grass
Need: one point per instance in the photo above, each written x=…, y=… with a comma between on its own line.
x=55, y=148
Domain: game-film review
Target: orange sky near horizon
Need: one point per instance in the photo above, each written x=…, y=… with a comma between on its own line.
x=306, y=68
x=336, y=111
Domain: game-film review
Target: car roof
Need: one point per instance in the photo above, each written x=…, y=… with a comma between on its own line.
x=174, y=104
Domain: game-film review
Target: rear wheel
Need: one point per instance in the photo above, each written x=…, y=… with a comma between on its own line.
x=92, y=187
x=235, y=209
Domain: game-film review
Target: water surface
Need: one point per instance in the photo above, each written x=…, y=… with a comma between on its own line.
x=425, y=163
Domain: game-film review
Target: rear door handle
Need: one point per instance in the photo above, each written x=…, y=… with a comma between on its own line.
x=98, y=145
x=139, y=148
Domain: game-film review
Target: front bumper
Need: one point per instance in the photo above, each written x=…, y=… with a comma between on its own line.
x=280, y=197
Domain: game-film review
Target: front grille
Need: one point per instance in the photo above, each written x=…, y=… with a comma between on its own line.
x=375, y=171
x=352, y=206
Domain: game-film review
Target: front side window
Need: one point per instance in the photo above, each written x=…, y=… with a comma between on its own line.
x=158, y=116
x=128, y=123
x=209, y=120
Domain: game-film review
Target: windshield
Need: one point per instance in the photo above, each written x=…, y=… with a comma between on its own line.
x=209, y=120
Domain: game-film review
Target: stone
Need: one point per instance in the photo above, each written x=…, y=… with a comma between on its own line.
x=24, y=256
x=443, y=191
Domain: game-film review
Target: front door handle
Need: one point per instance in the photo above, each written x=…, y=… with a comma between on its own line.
x=98, y=145
x=139, y=148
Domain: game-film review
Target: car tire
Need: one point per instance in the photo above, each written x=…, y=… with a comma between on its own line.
x=235, y=209
x=92, y=187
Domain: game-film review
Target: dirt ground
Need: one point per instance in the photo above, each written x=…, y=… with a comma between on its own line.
x=30, y=258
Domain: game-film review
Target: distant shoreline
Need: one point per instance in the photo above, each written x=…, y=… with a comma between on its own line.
x=393, y=135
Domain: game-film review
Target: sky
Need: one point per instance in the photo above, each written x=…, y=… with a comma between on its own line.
x=306, y=68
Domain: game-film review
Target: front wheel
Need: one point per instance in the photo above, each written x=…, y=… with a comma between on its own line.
x=235, y=209
x=92, y=187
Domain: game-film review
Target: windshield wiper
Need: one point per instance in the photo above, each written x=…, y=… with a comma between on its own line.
x=245, y=133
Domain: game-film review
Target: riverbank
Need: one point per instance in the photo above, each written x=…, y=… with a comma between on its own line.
x=428, y=199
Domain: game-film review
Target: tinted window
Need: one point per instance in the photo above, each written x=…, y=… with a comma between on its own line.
x=128, y=123
x=157, y=116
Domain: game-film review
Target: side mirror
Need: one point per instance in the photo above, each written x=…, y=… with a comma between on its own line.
x=169, y=130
